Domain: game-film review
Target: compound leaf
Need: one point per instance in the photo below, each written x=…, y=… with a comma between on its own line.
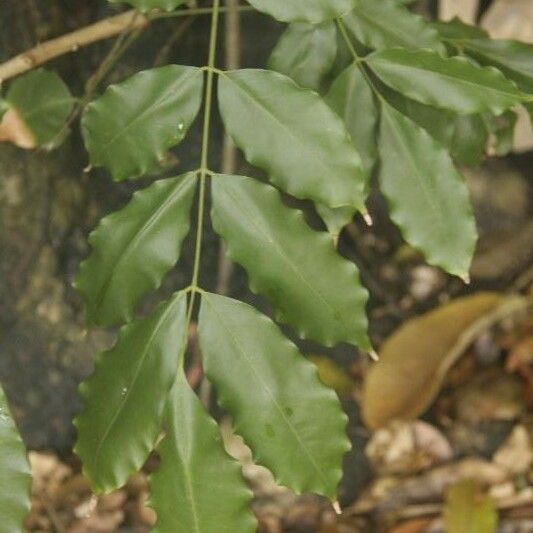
x=15, y=475
x=428, y=198
x=312, y=11
x=513, y=58
x=134, y=248
x=293, y=135
x=384, y=23
x=269, y=389
x=147, y=5
x=198, y=487
x=452, y=83
x=306, y=53
x=43, y=102
x=130, y=127
x=124, y=399
x=318, y=294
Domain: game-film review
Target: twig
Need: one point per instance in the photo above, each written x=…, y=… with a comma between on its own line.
x=103, y=29
x=71, y=42
x=232, y=46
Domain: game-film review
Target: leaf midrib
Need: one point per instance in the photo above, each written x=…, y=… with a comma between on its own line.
x=145, y=226
x=169, y=93
x=278, y=407
x=259, y=104
x=388, y=62
x=279, y=250
x=420, y=179
x=135, y=377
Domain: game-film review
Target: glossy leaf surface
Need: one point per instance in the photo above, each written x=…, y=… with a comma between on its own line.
x=457, y=29
x=134, y=248
x=428, y=198
x=312, y=11
x=15, y=475
x=269, y=389
x=291, y=134
x=351, y=97
x=124, y=399
x=131, y=126
x=452, y=83
x=513, y=58
x=384, y=23
x=43, y=102
x=198, y=487
x=148, y=5
x=469, y=139
x=306, y=53
x=318, y=294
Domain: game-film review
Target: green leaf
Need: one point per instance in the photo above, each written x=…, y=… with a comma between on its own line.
x=469, y=140
x=457, y=29
x=133, y=249
x=15, y=474
x=43, y=102
x=384, y=23
x=148, y=5
x=513, y=58
x=452, y=83
x=130, y=127
x=335, y=219
x=290, y=133
x=318, y=293
x=125, y=398
x=439, y=123
x=198, y=488
x=428, y=198
x=312, y=11
x=468, y=509
x=351, y=97
x=270, y=391
x=306, y=53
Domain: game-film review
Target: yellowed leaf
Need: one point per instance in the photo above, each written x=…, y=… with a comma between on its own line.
x=467, y=509
x=416, y=358
x=333, y=375
x=14, y=130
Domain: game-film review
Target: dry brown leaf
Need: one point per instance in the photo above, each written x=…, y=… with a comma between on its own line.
x=13, y=129
x=416, y=358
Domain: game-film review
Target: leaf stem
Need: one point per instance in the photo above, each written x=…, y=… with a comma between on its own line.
x=359, y=60
x=204, y=172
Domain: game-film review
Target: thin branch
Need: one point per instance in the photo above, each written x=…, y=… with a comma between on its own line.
x=71, y=42
x=103, y=29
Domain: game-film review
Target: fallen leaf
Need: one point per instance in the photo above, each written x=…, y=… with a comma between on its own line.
x=415, y=360
x=467, y=509
x=14, y=130
x=332, y=375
